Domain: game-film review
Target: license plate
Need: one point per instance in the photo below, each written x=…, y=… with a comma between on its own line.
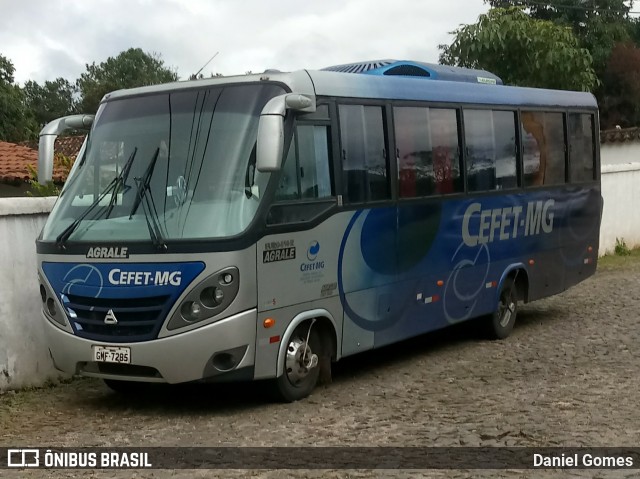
x=112, y=354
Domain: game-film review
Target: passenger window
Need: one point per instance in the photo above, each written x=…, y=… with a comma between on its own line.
x=427, y=151
x=364, y=153
x=288, y=188
x=543, y=148
x=305, y=173
x=581, y=158
x=491, y=150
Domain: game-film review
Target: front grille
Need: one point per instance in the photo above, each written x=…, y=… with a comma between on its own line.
x=138, y=319
x=128, y=370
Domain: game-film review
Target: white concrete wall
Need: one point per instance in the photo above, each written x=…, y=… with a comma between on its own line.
x=621, y=213
x=24, y=358
x=620, y=153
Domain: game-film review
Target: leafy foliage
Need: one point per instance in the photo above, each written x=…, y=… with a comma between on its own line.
x=599, y=25
x=51, y=100
x=131, y=68
x=620, y=103
x=621, y=248
x=16, y=124
x=60, y=161
x=522, y=50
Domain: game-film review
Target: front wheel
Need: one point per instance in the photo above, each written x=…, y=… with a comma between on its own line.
x=301, y=366
x=501, y=322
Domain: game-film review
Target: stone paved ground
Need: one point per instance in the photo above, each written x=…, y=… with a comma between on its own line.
x=568, y=376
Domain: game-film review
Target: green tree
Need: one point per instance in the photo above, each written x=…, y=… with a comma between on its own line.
x=598, y=24
x=129, y=69
x=51, y=100
x=620, y=104
x=522, y=50
x=15, y=122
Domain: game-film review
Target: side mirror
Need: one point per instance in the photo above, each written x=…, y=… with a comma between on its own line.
x=48, y=137
x=271, y=128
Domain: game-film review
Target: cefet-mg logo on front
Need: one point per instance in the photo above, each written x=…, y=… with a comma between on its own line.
x=115, y=280
x=144, y=278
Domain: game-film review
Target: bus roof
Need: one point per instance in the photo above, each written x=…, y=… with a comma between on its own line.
x=416, y=88
x=427, y=71
x=393, y=87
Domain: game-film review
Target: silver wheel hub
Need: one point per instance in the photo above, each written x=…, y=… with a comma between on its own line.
x=300, y=360
x=507, y=312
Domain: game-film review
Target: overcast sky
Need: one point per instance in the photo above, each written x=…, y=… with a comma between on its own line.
x=46, y=39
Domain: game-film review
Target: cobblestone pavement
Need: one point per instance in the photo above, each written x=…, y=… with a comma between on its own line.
x=568, y=376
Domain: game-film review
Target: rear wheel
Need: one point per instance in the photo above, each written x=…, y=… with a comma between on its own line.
x=301, y=364
x=500, y=324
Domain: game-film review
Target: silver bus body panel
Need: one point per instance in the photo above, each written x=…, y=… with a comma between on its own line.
x=179, y=358
x=312, y=282
x=298, y=81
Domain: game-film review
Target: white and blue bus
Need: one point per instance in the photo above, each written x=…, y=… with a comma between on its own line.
x=264, y=226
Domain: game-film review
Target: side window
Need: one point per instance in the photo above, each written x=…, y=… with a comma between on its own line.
x=364, y=164
x=490, y=138
x=288, y=188
x=581, y=157
x=427, y=151
x=313, y=154
x=543, y=148
x=305, y=173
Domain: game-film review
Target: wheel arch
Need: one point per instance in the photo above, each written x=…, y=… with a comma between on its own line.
x=324, y=320
x=519, y=273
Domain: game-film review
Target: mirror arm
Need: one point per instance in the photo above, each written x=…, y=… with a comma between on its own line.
x=47, y=140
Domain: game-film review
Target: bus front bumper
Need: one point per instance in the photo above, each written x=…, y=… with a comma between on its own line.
x=217, y=349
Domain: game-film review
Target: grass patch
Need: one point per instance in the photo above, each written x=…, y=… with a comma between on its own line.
x=617, y=260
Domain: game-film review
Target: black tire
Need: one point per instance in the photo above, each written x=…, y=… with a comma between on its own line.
x=297, y=381
x=500, y=324
x=126, y=387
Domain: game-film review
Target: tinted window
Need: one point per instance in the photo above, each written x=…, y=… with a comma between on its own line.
x=543, y=148
x=581, y=157
x=305, y=174
x=364, y=165
x=491, y=149
x=427, y=151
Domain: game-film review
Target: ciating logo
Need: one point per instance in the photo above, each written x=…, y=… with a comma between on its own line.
x=81, y=275
x=23, y=457
x=313, y=250
x=110, y=318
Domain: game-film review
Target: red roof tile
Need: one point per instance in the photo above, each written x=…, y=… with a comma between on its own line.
x=14, y=160
x=69, y=145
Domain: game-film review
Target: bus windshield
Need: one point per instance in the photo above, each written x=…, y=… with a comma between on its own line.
x=176, y=165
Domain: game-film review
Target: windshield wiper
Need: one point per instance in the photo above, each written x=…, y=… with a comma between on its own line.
x=148, y=206
x=122, y=182
x=112, y=188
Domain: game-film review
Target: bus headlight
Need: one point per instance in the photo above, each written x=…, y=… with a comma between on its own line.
x=212, y=296
x=191, y=311
x=208, y=299
x=50, y=305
